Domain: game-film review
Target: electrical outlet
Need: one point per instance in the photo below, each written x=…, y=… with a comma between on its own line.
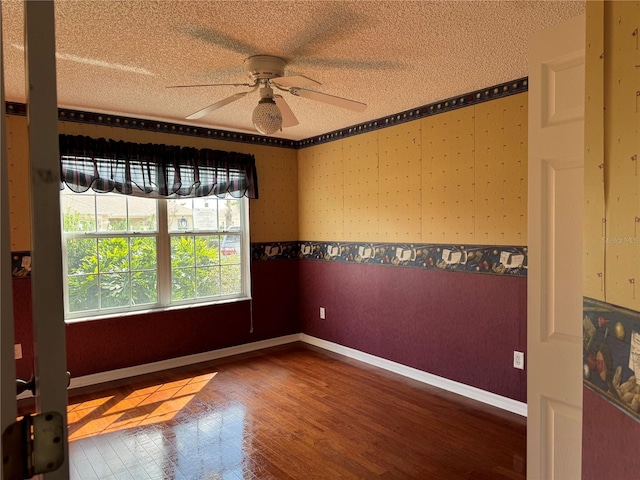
x=518, y=360
x=17, y=351
x=322, y=313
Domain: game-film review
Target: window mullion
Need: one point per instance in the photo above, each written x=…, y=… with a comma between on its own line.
x=246, y=247
x=164, y=255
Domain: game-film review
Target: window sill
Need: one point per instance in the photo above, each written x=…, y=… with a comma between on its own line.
x=110, y=316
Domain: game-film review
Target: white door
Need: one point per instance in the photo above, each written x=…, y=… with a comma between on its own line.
x=47, y=295
x=554, y=332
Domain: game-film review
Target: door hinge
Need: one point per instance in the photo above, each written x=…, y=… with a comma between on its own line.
x=33, y=445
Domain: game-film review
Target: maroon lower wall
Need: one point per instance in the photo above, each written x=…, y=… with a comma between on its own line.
x=610, y=440
x=111, y=343
x=461, y=326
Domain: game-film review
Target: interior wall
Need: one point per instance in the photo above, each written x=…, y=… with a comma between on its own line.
x=611, y=426
x=455, y=178
x=118, y=342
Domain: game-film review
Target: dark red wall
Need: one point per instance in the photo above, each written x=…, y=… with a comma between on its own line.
x=23, y=329
x=111, y=343
x=610, y=441
x=461, y=326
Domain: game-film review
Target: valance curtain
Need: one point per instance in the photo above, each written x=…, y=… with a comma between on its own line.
x=152, y=170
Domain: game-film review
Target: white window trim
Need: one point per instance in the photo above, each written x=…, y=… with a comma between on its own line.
x=163, y=255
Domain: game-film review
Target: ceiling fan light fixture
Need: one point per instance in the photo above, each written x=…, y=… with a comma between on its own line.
x=267, y=117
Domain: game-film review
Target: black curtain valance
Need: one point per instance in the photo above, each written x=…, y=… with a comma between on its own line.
x=153, y=170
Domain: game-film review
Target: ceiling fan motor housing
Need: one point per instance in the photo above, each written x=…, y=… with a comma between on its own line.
x=261, y=67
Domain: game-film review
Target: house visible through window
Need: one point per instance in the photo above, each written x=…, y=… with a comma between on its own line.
x=124, y=253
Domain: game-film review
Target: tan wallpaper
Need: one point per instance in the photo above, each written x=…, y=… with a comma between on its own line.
x=19, y=183
x=594, y=213
x=501, y=171
x=361, y=189
x=457, y=177
x=273, y=217
x=401, y=180
x=622, y=142
x=448, y=171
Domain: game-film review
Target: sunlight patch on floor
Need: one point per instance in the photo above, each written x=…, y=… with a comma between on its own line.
x=145, y=406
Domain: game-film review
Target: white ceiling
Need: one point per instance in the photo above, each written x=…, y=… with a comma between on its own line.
x=118, y=57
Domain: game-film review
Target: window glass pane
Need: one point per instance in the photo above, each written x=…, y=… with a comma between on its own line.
x=229, y=214
x=183, y=283
x=144, y=287
x=111, y=212
x=115, y=290
x=230, y=249
x=207, y=250
x=113, y=254
x=82, y=256
x=83, y=292
x=78, y=212
x=230, y=279
x=182, y=251
x=207, y=281
x=179, y=215
x=143, y=253
x=142, y=214
x=205, y=214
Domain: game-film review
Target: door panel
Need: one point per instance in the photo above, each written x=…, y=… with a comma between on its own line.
x=563, y=428
x=561, y=194
x=556, y=172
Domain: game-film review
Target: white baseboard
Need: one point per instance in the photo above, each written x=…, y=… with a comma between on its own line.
x=153, y=367
x=413, y=373
x=455, y=387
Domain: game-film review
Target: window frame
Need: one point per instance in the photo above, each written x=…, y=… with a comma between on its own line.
x=163, y=263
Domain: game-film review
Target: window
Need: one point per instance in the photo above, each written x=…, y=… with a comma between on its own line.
x=124, y=253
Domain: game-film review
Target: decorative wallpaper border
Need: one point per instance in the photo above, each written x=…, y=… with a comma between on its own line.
x=611, y=354
x=486, y=259
x=21, y=264
x=479, y=96
x=267, y=251
x=79, y=116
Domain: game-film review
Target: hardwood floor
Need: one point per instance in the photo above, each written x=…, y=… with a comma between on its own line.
x=288, y=413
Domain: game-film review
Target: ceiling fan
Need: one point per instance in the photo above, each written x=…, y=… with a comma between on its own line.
x=272, y=112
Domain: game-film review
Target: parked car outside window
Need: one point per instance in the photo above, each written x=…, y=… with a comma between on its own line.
x=230, y=245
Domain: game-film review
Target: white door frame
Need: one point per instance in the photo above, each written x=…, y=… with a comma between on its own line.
x=8, y=410
x=46, y=252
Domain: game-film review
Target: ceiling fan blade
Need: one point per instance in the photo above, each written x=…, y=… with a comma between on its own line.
x=329, y=27
x=215, y=106
x=295, y=81
x=330, y=99
x=348, y=63
x=288, y=118
x=214, y=85
x=220, y=39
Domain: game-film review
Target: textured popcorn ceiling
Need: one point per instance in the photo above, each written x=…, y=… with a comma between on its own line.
x=118, y=57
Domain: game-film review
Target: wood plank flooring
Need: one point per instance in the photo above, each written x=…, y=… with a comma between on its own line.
x=293, y=412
